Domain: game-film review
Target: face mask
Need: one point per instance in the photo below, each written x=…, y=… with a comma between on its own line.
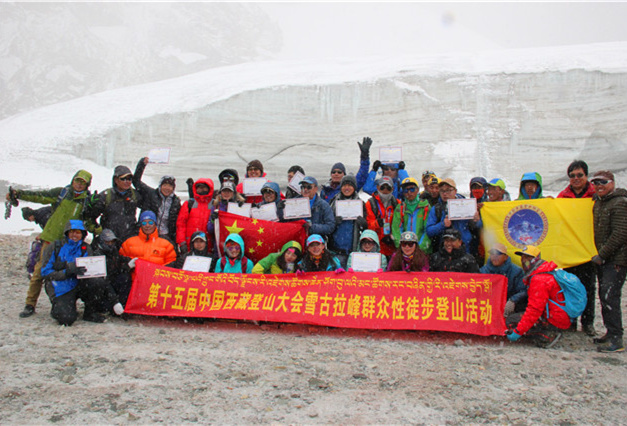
x=386, y=197
x=478, y=193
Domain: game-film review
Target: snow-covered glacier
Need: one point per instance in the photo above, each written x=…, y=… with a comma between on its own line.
x=494, y=114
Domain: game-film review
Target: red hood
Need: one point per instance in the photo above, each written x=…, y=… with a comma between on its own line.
x=203, y=198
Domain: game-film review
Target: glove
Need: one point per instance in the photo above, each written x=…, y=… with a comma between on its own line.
x=512, y=335
x=361, y=222
x=364, y=147
x=189, y=181
x=598, y=260
x=183, y=247
x=509, y=308
x=131, y=263
x=339, y=271
x=380, y=222
x=300, y=273
x=280, y=205
x=118, y=308
x=376, y=165
x=59, y=265
x=241, y=203
x=351, y=269
x=338, y=220
x=387, y=240
x=71, y=270
x=401, y=165
x=214, y=215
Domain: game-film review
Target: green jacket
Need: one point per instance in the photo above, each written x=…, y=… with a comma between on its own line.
x=412, y=216
x=268, y=264
x=70, y=206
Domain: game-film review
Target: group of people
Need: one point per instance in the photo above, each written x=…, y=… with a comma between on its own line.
x=409, y=229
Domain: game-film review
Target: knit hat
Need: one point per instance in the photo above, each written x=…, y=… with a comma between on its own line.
x=339, y=166
x=256, y=164
x=168, y=179
x=148, y=214
x=107, y=235
x=350, y=180
x=27, y=212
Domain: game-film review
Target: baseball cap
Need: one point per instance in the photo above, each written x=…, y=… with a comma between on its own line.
x=448, y=181
x=499, y=247
x=497, y=182
x=603, y=174
x=309, y=179
x=227, y=184
x=315, y=238
x=452, y=234
x=529, y=251
x=409, y=181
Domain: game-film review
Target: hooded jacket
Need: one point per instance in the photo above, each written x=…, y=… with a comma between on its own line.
x=533, y=177
x=194, y=215
x=234, y=266
x=369, y=234
x=375, y=210
x=345, y=237
x=180, y=262
x=412, y=216
x=610, y=226
x=516, y=290
x=165, y=208
x=277, y=202
x=71, y=206
x=269, y=265
x=149, y=247
x=542, y=286
x=484, y=183
x=68, y=252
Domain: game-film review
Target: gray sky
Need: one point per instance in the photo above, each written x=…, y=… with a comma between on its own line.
x=362, y=29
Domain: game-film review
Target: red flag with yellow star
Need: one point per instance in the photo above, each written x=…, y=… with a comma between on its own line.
x=261, y=237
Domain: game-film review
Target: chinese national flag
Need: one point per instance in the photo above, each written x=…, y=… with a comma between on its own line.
x=261, y=237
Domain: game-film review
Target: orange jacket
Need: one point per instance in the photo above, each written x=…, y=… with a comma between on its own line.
x=149, y=247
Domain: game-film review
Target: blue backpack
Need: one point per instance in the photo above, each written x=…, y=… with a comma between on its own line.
x=575, y=298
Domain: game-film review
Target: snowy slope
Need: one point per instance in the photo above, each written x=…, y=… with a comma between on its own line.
x=491, y=114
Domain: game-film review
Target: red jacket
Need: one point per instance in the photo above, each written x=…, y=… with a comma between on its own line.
x=372, y=216
x=196, y=218
x=542, y=287
x=568, y=192
x=149, y=247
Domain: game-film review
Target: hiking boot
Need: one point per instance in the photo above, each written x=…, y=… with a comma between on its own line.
x=601, y=340
x=94, y=317
x=613, y=346
x=589, y=330
x=28, y=311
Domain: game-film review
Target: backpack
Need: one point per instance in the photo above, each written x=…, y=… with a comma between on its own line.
x=33, y=256
x=575, y=298
x=243, y=263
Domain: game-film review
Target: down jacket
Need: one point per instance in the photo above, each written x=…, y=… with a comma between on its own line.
x=610, y=226
x=149, y=247
x=195, y=218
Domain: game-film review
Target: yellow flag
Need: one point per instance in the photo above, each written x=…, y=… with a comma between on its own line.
x=561, y=228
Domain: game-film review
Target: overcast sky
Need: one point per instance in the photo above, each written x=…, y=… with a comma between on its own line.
x=364, y=29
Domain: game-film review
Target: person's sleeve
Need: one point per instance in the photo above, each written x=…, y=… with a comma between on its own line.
x=396, y=226
x=327, y=226
x=370, y=185
x=264, y=265
x=48, y=260
x=434, y=227
x=618, y=232
x=538, y=298
x=181, y=223
x=362, y=173
x=402, y=175
x=170, y=255
x=45, y=196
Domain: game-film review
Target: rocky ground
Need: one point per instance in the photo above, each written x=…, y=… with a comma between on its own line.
x=154, y=370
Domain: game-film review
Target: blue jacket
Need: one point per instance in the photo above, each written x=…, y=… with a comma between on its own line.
x=435, y=225
x=345, y=238
x=236, y=266
x=69, y=251
x=328, y=192
x=370, y=186
x=516, y=289
x=322, y=217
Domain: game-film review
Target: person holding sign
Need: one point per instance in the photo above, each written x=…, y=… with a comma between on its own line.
x=227, y=194
x=393, y=169
x=199, y=248
x=317, y=258
x=322, y=220
x=195, y=213
x=60, y=275
x=283, y=262
x=368, y=243
x=380, y=212
x=349, y=219
x=432, y=188
x=271, y=194
x=162, y=200
x=408, y=256
x=438, y=220
x=254, y=169
x=292, y=192
x=411, y=215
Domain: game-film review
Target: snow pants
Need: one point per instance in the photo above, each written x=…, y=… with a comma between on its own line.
x=92, y=291
x=611, y=280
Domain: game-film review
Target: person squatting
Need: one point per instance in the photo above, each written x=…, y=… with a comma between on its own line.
x=409, y=230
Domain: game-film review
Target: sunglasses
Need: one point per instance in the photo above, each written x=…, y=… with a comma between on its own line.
x=598, y=182
x=411, y=189
x=126, y=178
x=495, y=252
x=576, y=175
x=337, y=172
x=408, y=243
x=386, y=168
x=148, y=222
x=267, y=191
x=306, y=186
x=385, y=188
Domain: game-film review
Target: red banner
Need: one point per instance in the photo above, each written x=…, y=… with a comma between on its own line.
x=456, y=302
x=261, y=237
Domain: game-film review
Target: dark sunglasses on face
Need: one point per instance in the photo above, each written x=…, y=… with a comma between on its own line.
x=411, y=189
x=407, y=243
x=148, y=222
x=305, y=186
x=385, y=188
x=598, y=182
x=337, y=172
x=267, y=191
x=126, y=178
x=576, y=175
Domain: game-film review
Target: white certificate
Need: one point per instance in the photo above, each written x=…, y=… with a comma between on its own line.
x=241, y=211
x=462, y=208
x=96, y=266
x=390, y=154
x=366, y=262
x=297, y=208
x=294, y=183
x=349, y=209
x=265, y=212
x=197, y=264
x=159, y=156
x=252, y=186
